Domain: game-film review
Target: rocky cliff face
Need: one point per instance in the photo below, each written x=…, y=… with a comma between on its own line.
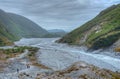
x=101, y=32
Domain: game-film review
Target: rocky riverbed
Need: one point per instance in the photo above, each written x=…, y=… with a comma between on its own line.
x=63, y=62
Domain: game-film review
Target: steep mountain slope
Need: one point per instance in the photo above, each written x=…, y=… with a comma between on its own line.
x=9, y=24
x=5, y=36
x=20, y=26
x=101, y=32
x=27, y=27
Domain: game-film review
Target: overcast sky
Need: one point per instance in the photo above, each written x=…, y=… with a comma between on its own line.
x=57, y=14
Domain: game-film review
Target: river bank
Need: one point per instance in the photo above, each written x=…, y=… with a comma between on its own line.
x=60, y=56
x=60, y=59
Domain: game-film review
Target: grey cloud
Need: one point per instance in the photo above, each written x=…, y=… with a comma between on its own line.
x=65, y=14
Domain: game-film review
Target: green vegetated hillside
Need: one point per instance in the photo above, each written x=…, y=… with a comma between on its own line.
x=26, y=27
x=5, y=37
x=101, y=32
x=13, y=27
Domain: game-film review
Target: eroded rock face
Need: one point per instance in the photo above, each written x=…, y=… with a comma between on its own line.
x=116, y=46
x=80, y=70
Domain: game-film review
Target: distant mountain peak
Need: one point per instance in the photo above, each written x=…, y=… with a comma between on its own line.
x=56, y=30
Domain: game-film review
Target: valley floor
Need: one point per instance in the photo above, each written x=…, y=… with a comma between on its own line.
x=60, y=61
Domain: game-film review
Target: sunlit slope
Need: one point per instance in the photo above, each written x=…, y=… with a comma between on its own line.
x=100, y=32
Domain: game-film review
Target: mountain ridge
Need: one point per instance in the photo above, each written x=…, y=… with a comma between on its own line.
x=100, y=32
x=24, y=23
x=15, y=27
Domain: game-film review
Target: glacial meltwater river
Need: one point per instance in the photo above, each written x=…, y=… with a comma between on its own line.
x=60, y=56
